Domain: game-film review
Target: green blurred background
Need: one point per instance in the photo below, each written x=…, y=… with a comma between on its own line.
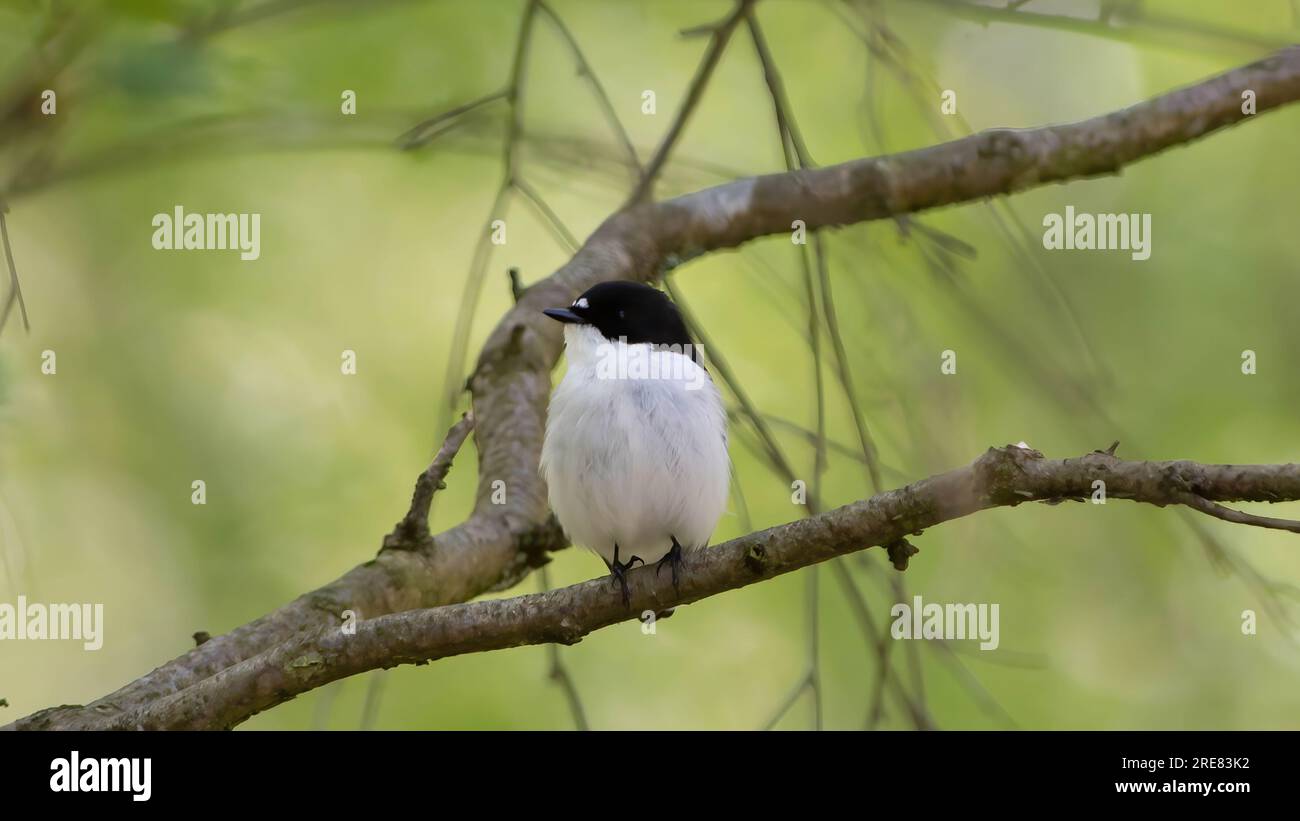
x=176, y=366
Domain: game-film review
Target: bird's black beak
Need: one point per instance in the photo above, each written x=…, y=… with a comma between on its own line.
x=564, y=315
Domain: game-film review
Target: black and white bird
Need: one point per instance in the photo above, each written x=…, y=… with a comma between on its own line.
x=635, y=454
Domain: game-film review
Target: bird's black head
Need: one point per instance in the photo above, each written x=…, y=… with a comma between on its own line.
x=628, y=310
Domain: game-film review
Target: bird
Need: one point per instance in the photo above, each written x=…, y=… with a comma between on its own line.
x=635, y=451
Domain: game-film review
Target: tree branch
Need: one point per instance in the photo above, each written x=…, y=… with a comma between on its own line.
x=1144, y=28
x=721, y=33
x=497, y=544
x=1002, y=477
x=15, y=296
x=413, y=530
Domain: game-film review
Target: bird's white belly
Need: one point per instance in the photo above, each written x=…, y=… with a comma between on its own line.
x=636, y=462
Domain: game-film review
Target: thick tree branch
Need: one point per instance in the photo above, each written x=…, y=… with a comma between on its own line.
x=1002, y=477
x=999, y=161
x=498, y=543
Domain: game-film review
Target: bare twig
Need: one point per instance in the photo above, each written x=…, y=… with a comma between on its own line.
x=425, y=131
x=558, y=671
x=821, y=309
x=554, y=224
x=413, y=530
x=796, y=156
x=412, y=533
x=882, y=646
x=969, y=682
x=1200, y=503
x=517, y=286
x=249, y=13
x=721, y=33
x=15, y=288
x=584, y=69
x=514, y=92
x=787, y=703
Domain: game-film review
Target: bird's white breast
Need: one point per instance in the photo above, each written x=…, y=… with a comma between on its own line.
x=635, y=456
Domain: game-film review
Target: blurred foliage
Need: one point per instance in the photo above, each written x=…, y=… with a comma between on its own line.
x=175, y=366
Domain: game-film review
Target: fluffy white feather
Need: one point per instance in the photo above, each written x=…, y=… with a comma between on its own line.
x=635, y=461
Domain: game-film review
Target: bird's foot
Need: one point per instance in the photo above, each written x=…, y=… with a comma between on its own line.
x=673, y=558
x=618, y=573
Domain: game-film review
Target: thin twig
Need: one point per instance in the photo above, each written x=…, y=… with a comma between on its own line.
x=771, y=452
x=15, y=288
x=552, y=220
x=797, y=151
x=820, y=309
x=813, y=603
x=584, y=68
x=453, y=383
x=1218, y=511
x=426, y=131
x=558, y=672
x=721, y=33
x=880, y=645
x=412, y=532
x=788, y=702
x=971, y=683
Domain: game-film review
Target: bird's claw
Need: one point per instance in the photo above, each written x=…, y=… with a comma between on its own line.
x=673, y=558
x=618, y=574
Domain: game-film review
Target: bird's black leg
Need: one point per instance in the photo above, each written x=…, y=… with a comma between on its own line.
x=618, y=572
x=674, y=560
